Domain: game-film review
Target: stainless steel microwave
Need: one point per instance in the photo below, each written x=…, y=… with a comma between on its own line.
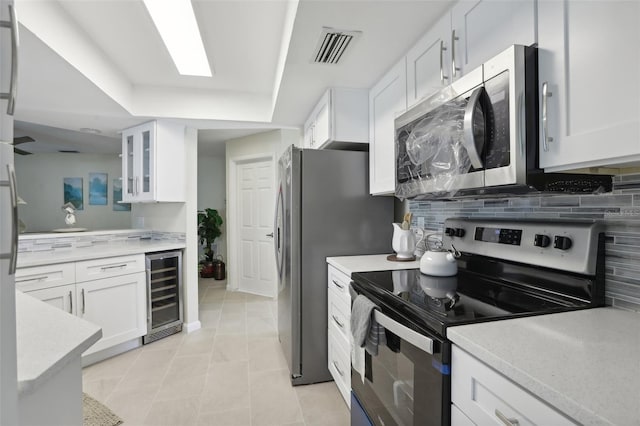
x=479, y=136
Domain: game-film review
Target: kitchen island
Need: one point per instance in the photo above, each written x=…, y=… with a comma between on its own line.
x=50, y=343
x=585, y=364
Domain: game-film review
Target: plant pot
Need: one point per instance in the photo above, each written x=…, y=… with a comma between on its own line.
x=218, y=270
x=207, y=270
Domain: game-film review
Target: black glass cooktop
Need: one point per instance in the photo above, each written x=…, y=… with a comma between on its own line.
x=472, y=296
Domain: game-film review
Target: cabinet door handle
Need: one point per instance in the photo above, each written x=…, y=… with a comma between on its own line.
x=454, y=69
x=442, y=76
x=12, y=24
x=83, y=305
x=136, y=190
x=341, y=287
x=70, y=302
x=546, y=94
x=341, y=325
x=505, y=420
x=340, y=372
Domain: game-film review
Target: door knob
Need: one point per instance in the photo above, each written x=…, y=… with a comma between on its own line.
x=270, y=235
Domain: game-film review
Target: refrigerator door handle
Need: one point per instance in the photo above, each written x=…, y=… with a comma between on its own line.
x=13, y=188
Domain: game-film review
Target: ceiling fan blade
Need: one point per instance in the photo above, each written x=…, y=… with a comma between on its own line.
x=23, y=139
x=21, y=151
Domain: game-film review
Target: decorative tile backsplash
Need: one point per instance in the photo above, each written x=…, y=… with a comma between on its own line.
x=619, y=210
x=50, y=242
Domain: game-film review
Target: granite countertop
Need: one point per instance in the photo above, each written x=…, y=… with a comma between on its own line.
x=584, y=363
x=96, y=251
x=374, y=262
x=47, y=340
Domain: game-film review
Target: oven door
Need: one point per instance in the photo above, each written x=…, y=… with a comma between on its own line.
x=406, y=383
x=440, y=143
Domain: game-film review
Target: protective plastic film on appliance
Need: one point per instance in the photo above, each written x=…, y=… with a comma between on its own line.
x=434, y=150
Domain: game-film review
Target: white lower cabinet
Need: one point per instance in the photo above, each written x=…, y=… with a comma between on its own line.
x=339, y=330
x=115, y=304
x=62, y=297
x=482, y=396
x=109, y=292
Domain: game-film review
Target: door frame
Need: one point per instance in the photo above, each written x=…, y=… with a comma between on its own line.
x=232, y=216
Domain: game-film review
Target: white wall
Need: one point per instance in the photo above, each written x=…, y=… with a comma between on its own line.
x=272, y=143
x=212, y=180
x=40, y=183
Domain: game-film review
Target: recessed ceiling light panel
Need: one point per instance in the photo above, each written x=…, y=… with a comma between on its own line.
x=179, y=30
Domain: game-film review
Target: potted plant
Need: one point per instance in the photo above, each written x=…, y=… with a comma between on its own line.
x=209, y=223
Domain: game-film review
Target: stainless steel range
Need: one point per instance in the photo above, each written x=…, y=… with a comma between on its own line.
x=507, y=269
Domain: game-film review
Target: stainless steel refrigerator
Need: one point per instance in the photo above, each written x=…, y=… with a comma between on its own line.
x=8, y=214
x=323, y=209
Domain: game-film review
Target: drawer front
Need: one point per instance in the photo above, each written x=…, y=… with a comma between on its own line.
x=340, y=317
x=340, y=366
x=339, y=284
x=41, y=277
x=484, y=396
x=109, y=267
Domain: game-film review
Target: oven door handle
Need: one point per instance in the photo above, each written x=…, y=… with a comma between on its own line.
x=468, y=140
x=416, y=339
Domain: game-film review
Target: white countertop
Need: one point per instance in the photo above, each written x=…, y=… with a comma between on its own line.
x=96, y=251
x=584, y=363
x=47, y=339
x=374, y=262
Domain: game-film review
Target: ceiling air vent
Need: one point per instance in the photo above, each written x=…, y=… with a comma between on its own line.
x=332, y=44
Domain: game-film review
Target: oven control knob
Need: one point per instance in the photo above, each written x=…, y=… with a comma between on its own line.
x=459, y=232
x=450, y=232
x=541, y=240
x=562, y=243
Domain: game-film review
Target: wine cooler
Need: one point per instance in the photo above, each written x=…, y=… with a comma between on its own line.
x=164, y=295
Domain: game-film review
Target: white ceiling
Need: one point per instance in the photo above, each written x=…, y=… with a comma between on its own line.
x=101, y=64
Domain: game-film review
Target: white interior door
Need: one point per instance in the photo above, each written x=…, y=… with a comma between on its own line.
x=255, y=228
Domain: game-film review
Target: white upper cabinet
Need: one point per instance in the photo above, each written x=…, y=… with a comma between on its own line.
x=429, y=62
x=338, y=120
x=153, y=166
x=589, y=85
x=387, y=99
x=480, y=29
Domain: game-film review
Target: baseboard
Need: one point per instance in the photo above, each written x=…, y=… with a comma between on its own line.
x=191, y=326
x=110, y=352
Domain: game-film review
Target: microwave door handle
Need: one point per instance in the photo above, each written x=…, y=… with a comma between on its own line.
x=469, y=117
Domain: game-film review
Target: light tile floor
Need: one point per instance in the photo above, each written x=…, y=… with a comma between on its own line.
x=231, y=372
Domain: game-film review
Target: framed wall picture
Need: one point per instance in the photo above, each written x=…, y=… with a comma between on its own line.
x=117, y=197
x=98, y=189
x=73, y=192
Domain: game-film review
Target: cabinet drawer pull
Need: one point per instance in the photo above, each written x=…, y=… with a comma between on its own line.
x=70, y=302
x=546, y=94
x=104, y=268
x=505, y=420
x=28, y=280
x=340, y=372
x=341, y=325
x=82, y=293
x=340, y=286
